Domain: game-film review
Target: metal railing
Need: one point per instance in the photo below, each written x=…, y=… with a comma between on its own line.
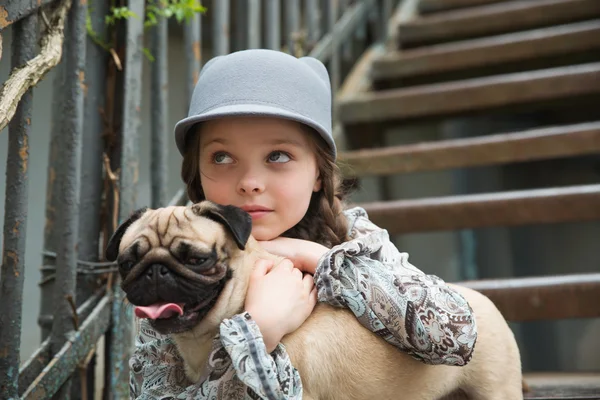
x=87, y=196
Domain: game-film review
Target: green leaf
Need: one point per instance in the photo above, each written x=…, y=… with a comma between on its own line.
x=148, y=54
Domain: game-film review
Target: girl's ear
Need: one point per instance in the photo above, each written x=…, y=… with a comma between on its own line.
x=318, y=184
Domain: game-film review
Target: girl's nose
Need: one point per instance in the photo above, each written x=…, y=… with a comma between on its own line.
x=250, y=185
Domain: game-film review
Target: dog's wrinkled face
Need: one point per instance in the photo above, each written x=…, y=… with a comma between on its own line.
x=174, y=262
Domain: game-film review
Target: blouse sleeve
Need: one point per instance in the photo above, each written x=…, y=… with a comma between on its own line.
x=239, y=367
x=415, y=312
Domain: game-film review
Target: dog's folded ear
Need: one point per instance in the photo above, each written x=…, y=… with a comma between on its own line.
x=237, y=221
x=112, y=250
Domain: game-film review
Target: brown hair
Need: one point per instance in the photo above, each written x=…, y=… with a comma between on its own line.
x=324, y=221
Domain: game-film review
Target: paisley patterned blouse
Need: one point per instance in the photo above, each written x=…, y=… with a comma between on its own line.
x=415, y=312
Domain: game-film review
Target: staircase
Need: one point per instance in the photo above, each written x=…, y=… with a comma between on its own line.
x=468, y=58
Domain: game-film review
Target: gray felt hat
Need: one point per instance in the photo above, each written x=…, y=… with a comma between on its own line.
x=261, y=83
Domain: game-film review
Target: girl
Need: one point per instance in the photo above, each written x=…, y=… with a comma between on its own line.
x=258, y=136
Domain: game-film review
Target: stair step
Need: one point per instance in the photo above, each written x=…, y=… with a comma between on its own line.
x=433, y=6
x=543, y=298
x=562, y=385
x=494, y=19
x=504, y=148
x=472, y=95
x=524, y=207
x=473, y=57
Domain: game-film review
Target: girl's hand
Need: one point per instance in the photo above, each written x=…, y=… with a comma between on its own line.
x=279, y=299
x=304, y=254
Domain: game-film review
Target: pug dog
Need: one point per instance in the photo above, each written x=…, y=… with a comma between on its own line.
x=187, y=269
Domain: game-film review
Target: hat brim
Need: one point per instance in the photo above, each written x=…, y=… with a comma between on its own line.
x=182, y=128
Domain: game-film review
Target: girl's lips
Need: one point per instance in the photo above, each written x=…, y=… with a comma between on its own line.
x=258, y=213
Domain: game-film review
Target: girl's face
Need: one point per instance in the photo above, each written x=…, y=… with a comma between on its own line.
x=266, y=166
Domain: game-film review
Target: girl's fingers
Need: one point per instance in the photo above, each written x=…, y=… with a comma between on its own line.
x=312, y=297
x=297, y=273
x=309, y=282
x=286, y=264
x=261, y=268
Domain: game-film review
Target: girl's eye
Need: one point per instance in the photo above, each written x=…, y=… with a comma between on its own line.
x=222, y=158
x=278, y=157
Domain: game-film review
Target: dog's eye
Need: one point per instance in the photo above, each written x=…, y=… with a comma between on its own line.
x=195, y=261
x=126, y=265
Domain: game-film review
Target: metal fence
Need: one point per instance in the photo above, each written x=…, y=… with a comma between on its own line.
x=87, y=196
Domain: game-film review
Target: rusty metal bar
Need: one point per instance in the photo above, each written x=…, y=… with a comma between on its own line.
x=15, y=10
x=192, y=36
x=93, y=146
x=221, y=31
x=334, y=62
x=34, y=366
x=381, y=19
x=57, y=372
x=15, y=217
x=120, y=334
x=292, y=12
x=273, y=13
x=344, y=29
x=361, y=31
x=91, y=180
x=543, y=298
x=68, y=211
x=254, y=23
x=347, y=46
x=535, y=144
x=312, y=15
x=538, y=206
x=53, y=188
x=83, y=310
x=239, y=25
x=388, y=10
x=159, y=114
x=31, y=368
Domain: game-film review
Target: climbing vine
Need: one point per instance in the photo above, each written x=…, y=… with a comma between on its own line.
x=181, y=10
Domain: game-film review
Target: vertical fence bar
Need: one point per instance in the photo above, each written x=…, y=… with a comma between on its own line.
x=90, y=196
x=378, y=19
x=254, y=23
x=347, y=50
x=240, y=25
x=361, y=33
x=51, y=233
x=68, y=211
x=388, y=10
x=159, y=114
x=121, y=330
x=292, y=11
x=312, y=16
x=273, y=24
x=324, y=20
x=221, y=31
x=15, y=217
x=334, y=64
x=192, y=36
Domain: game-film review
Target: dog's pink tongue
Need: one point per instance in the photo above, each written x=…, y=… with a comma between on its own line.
x=159, y=310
